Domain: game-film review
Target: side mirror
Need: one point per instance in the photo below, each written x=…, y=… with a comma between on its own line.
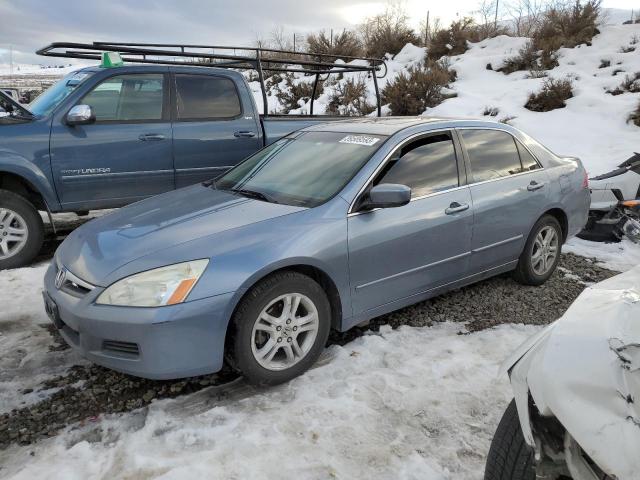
x=80, y=115
x=387, y=195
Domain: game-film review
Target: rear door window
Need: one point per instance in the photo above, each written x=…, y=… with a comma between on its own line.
x=126, y=98
x=202, y=97
x=427, y=165
x=528, y=161
x=492, y=153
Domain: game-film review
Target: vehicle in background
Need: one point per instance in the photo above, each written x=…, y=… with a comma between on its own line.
x=615, y=204
x=576, y=385
x=109, y=135
x=13, y=93
x=326, y=228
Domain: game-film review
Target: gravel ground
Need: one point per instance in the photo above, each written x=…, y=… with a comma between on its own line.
x=86, y=392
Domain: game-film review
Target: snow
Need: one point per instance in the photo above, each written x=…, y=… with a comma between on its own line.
x=592, y=126
x=25, y=361
x=616, y=256
x=30, y=69
x=414, y=403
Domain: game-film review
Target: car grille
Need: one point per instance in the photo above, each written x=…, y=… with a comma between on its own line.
x=72, y=284
x=128, y=349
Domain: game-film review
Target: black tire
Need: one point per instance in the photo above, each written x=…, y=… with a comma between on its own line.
x=249, y=309
x=510, y=458
x=524, y=272
x=34, y=226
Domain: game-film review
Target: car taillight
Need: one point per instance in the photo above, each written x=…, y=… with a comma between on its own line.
x=585, y=180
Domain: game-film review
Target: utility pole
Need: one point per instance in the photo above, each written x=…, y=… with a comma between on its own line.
x=10, y=62
x=496, y=19
x=426, y=33
x=294, y=41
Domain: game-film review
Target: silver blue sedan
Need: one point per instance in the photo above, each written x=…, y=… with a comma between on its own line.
x=324, y=229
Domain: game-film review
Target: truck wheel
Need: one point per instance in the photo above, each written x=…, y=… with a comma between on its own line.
x=541, y=253
x=21, y=230
x=510, y=458
x=280, y=328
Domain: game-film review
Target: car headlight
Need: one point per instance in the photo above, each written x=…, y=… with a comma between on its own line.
x=155, y=288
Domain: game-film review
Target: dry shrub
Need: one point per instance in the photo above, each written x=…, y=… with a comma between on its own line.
x=388, y=32
x=420, y=88
x=345, y=44
x=634, y=117
x=453, y=40
x=350, y=98
x=631, y=83
x=553, y=95
x=562, y=25
x=293, y=94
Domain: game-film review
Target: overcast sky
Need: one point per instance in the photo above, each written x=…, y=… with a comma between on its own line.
x=27, y=25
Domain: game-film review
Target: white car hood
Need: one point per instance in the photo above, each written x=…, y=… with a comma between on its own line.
x=585, y=371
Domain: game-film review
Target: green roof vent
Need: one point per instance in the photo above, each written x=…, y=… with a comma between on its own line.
x=111, y=59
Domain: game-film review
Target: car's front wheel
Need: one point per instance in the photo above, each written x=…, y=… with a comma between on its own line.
x=510, y=458
x=541, y=253
x=21, y=230
x=280, y=328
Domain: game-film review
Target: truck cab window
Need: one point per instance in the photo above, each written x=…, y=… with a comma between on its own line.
x=125, y=98
x=202, y=97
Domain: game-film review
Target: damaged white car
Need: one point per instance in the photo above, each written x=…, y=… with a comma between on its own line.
x=576, y=412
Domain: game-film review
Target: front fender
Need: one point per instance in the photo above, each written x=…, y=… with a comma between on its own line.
x=13, y=163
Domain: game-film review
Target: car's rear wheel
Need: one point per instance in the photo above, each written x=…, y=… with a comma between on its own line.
x=541, y=253
x=510, y=458
x=280, y=328
x=21, y=230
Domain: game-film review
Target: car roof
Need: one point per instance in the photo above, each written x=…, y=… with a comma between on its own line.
x=391, y=125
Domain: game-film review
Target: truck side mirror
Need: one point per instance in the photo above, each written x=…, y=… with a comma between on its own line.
x=80, y=115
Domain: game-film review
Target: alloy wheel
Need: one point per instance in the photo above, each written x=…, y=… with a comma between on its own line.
x=285, y=331
x=13, y=233
x=545, y=250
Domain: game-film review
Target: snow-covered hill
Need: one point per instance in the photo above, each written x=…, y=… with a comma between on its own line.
x=593, y=125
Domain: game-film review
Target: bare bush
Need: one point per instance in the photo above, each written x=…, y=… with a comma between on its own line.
x=453, y=40
x=388, y=32
x=411, y=93
x=553, y=95
x=631, y=84
x=350, y=98
x=526, y=16
x=634, y=117
x=491, y=111
x=561, y=25
x=344, y=44
x=294, y=95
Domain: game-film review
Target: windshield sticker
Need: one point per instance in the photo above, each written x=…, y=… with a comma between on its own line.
x=360, y=140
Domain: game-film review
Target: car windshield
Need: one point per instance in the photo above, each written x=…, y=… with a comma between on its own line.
x=305, y=171
x=48, y=100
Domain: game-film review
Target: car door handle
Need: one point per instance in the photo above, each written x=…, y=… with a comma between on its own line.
x=533, y=186
x=244, y=134
x=456, y=207
x=146, y=137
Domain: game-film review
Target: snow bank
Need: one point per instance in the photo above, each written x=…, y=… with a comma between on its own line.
x=616, y=256
x=414, y=403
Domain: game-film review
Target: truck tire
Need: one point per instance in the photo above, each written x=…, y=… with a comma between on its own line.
x=541, y=253
x=21, y=230
x=280, y=328
x=510, y=458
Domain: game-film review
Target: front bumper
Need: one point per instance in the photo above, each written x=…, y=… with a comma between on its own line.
x=158, y=343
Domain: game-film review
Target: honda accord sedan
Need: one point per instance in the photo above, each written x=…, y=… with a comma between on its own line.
x=324, y=229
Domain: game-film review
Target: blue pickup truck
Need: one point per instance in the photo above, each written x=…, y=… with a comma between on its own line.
x=106, y=137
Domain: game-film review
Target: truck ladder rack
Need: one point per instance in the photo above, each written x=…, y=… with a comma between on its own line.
x=240, y=58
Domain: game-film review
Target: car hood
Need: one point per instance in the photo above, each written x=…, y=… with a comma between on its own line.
x=585, y=371
x=105, y=244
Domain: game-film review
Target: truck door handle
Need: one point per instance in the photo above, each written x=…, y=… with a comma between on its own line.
x=533, y=186
x=456, y=207
x=244, y=134
x=146, y=137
